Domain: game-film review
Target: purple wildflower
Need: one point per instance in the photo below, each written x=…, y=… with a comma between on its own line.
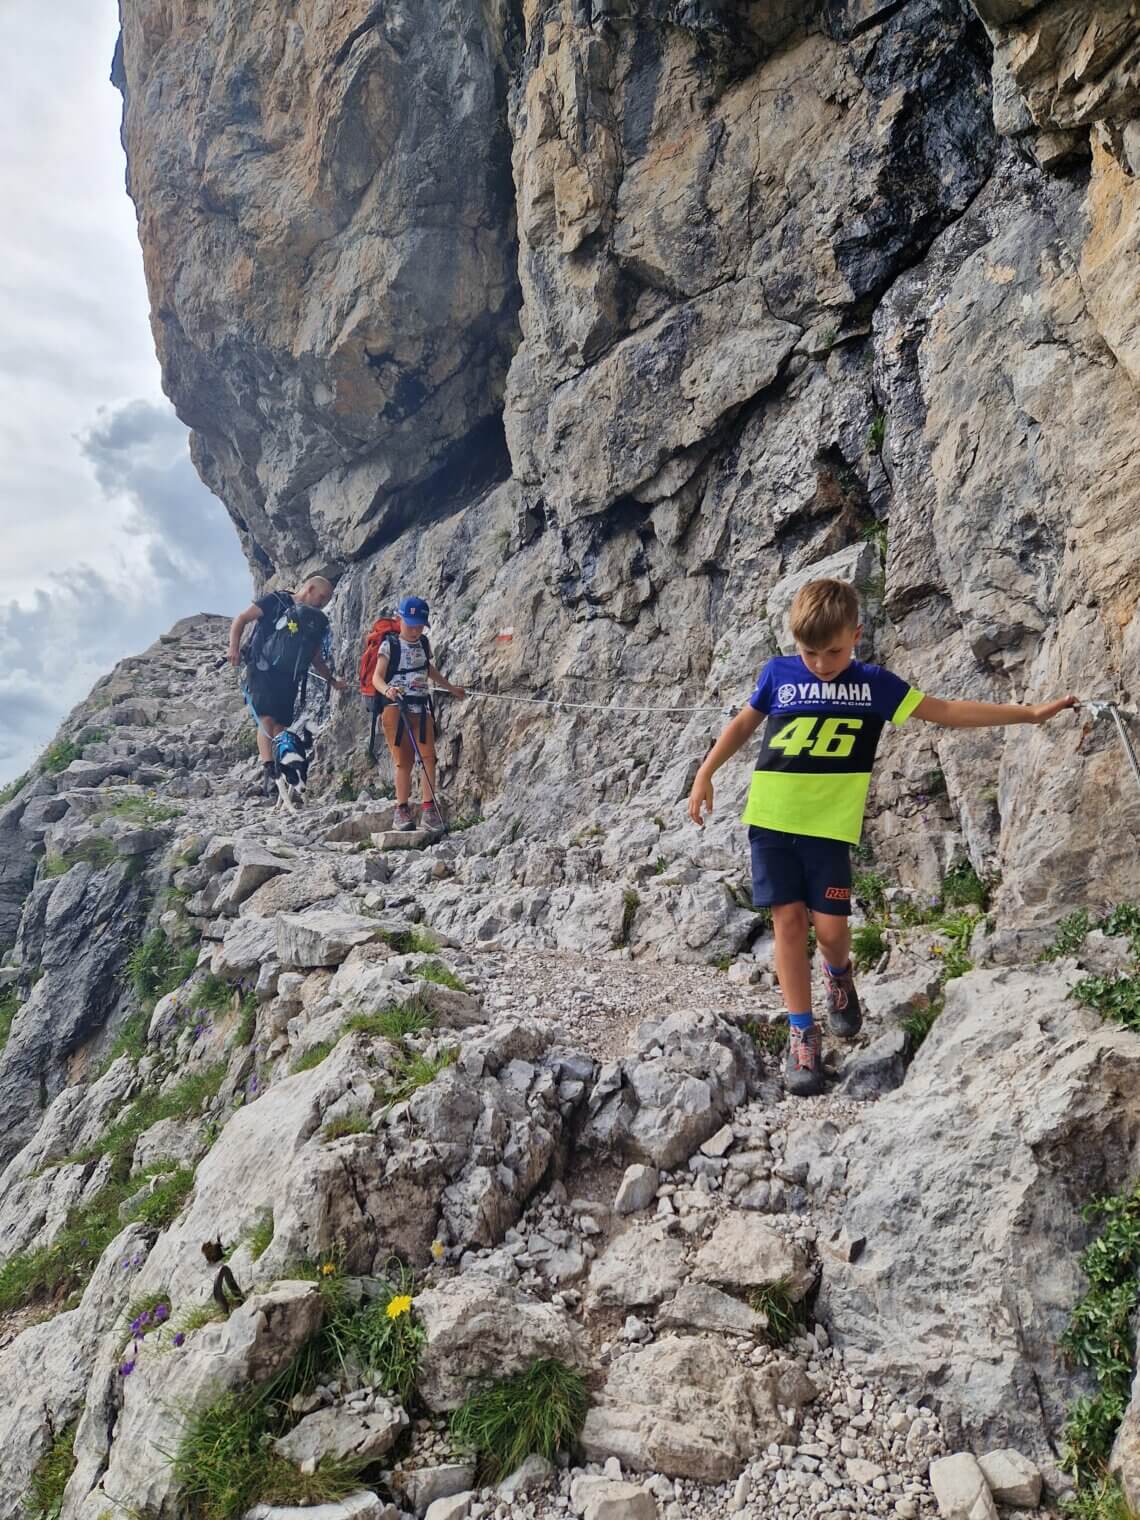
x=137, y=1259
x=161, y=1312
x=144, y=1317
x=179, y=1337
x=124, y=1264
x=127, y=1368
x=253, y=1083
x=136, y=1326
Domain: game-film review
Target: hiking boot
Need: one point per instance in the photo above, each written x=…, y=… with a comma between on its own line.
x=844, y=1015
x=431, y=818
x=402, y=818
x=803, y=1069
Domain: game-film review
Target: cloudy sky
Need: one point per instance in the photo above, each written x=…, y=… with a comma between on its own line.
x=107, y=534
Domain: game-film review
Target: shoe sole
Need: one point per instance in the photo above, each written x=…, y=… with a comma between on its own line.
x=813, y=1091
x=840, y=1032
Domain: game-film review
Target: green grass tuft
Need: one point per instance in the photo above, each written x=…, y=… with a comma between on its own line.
x=13, y=788
x=260, y=1234
x=410, y=941
x=156, y=967
x=205, y=1313
x=224, y=1464
x=97, y=851
x=962, y=887
x=870, y=889
x=313, y=1057
x=350, y=1124
x=189, y=1097
x=411, y=1071
x=44, y=1498
x=396, y=1021
x=247, y=1020
x=920, y=1021
x=161, y=1207
x=9, y=1007
x=48, y=1273
x=435, y=971
x=1103, y=1500
x=868, y=945
x=142, y=810
x=785, y=1316
x=631, y=901
x=58, y=756
x=538, y=1411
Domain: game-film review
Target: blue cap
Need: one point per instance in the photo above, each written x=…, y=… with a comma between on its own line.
x=413, y=609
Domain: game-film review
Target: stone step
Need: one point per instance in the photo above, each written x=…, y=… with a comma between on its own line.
x=403, y=839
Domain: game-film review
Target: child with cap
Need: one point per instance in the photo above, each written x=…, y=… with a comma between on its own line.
x=403, y=676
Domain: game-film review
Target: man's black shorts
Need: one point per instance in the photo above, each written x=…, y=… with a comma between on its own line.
x=788, y=868
x=272, y=697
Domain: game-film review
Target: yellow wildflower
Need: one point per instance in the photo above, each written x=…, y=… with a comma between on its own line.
x=400, y=1304
x=437, y=1249
x=328, y=1269
x=292, y=626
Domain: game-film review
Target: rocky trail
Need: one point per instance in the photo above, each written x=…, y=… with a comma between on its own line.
x=338, y=1170
x=235, y=1025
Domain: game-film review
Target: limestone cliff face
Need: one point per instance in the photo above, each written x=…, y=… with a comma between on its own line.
x=609, y=320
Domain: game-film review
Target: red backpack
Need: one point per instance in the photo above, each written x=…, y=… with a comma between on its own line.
x=379, y=631
x=384, y=631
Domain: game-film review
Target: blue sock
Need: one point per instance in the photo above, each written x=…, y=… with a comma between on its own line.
x=799, y=1020
x=835, y=971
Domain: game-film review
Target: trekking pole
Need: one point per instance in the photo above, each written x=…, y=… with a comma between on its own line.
x=406, y=716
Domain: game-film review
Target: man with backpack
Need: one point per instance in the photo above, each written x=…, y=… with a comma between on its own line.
x=396, y=673
x=290, y=634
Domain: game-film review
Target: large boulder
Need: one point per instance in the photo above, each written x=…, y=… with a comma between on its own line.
x=479, y=1328
x=686, y=1408
x=689, y=1071
x=968, y=1185
x=168, y=1387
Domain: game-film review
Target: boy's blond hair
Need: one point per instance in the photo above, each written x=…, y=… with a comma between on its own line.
x=821, y=611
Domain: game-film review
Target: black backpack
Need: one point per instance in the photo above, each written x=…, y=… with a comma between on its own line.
x=284, y=640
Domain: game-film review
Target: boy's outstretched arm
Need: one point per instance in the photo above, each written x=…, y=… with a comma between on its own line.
x=989, y=714
x=733, y=736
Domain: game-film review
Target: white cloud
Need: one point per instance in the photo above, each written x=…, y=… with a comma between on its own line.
x=108, y=534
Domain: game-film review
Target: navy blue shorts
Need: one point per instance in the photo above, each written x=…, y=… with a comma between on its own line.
x=788, y=868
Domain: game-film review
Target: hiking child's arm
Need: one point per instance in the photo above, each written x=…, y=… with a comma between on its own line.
x=989, y=714
x=380, y=670
x=238, y=627
x=735, y=734
x=441, y=680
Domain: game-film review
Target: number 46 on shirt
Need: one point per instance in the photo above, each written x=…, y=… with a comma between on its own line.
x=826, y=738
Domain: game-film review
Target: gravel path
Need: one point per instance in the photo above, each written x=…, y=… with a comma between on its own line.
x=861, y=1451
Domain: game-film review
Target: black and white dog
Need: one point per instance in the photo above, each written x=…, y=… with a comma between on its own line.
x=292, y=756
